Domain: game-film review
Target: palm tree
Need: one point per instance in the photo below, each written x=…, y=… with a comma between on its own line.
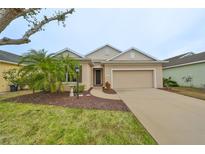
x=41, y=68
x=69, y=66
x=46, y=71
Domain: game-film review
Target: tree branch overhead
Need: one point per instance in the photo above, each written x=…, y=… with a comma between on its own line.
x=37, y=26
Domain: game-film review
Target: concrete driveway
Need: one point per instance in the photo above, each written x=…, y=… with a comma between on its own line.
x=170, y=118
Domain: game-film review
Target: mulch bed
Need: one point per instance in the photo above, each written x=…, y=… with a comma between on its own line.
x=109, y=91
x=63, y=99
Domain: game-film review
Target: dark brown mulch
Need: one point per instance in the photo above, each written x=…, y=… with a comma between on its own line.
x=109, y=91
x=63, y=99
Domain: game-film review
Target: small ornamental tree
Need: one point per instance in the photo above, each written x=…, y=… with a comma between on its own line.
x=11, y=76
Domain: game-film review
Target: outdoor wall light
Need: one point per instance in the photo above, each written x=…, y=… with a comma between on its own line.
x=77, y=70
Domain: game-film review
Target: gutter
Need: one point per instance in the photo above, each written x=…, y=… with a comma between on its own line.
x=9, y=62
x=133, y=62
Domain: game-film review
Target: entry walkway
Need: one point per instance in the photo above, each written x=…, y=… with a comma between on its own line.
x=99, y=93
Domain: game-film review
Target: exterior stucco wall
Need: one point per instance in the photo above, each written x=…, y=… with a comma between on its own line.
x=103, y=53
x=196, y=71
x=4, y=85
x=86, y=75
x=136, y=56
x=158, y=67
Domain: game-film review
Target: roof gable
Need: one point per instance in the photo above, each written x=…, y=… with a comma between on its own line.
x=69, y=52
x=103, y=53
x=133, y=54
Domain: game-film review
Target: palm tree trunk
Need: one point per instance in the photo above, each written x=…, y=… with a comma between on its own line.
x=66, y=77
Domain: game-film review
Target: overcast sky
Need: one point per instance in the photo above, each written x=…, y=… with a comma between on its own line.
x=159, y=32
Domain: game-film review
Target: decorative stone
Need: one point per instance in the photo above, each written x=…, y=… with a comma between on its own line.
x=71, y=92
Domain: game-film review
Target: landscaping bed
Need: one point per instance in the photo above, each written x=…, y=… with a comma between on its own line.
x=63, y=99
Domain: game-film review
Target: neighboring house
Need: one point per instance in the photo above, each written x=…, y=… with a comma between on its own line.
x=7, y=61
x=130, y=69
x=188, y=65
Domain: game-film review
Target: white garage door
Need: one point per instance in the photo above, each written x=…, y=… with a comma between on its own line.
x=129, y=79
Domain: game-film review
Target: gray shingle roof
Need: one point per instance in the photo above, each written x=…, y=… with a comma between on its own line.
x=10, y=57
x=179, y=60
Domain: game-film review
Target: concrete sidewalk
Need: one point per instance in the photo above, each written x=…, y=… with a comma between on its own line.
x=99, y=93
x=170, y=118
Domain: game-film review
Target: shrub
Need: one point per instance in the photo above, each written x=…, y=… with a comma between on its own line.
x=188, y=79
x=11, y=76
x=14, y=77
x=80, y=90
x=168, y=82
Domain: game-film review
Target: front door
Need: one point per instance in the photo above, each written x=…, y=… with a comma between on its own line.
x=98, y=77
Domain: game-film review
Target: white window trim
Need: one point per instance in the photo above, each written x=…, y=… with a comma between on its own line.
x=138, y=69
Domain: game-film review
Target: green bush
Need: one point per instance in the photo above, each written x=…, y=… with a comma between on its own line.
x=81, y=89
x=14, y=77
x=168, y=82
x=11, y=76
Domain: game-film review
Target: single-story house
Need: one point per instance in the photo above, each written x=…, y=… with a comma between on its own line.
x=187, y=69
x=7, y=61
x=130, y=69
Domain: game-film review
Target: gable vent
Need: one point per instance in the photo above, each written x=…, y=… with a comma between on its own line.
x=132, y=55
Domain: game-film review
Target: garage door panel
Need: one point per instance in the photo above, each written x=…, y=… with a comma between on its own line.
x=124, y=79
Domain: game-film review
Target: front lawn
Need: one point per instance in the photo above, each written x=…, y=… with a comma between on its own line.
x=43, y=124
x=189, y=91
x=48, y=124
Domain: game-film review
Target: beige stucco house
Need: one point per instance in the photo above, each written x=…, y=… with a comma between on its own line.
x=129, y=69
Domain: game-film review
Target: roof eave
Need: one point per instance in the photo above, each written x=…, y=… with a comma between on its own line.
x=133, y=62
x=185, y=64
x=9, y=62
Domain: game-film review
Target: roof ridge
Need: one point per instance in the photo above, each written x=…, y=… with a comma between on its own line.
x=198, y=57
x=68, y=49
x=101, y=48
x=177, y=56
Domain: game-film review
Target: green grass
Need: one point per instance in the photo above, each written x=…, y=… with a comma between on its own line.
x=46, y=124
x=43, y=124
